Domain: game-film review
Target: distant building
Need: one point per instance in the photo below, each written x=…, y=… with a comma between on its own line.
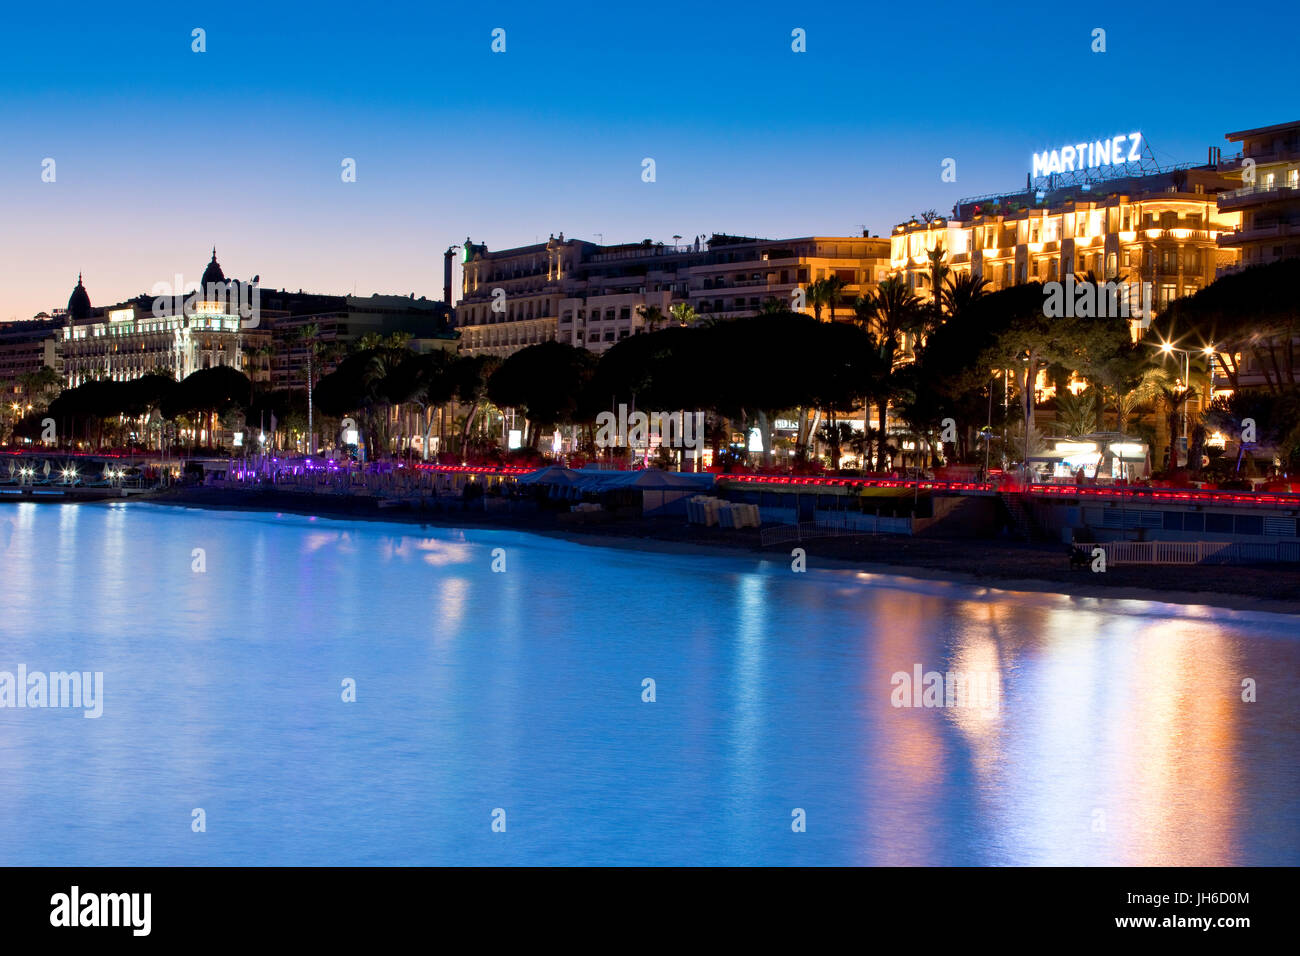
x=343, y=320
x=1268, y=197
x=593, y=296
x=130, y=339
x=236, y=324
x=26, y=348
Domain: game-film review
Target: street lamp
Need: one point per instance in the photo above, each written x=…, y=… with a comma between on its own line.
x=1167, y=348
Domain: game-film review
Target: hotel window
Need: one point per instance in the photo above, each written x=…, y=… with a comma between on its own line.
x=1051, y=270
x=1006, y=274
x=1112, y=265
x=1168, y=292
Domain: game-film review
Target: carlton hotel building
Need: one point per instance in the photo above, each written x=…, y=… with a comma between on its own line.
x=131, y=339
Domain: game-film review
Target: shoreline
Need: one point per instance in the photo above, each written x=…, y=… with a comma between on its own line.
x=980, y=563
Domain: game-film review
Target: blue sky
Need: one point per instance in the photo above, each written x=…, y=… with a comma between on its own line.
x=162, y=152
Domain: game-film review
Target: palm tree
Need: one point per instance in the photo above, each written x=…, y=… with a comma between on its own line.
x=1129, y=403
x=961, y=292
x=817, y=295
x=309, y=336
x=889, y=314
x=937, y=273
x=773, y=306
x=683, y=314
x=35, y=384
x=652, y=315
x=1076, y=414
x=1175, y=400
x=834, y=287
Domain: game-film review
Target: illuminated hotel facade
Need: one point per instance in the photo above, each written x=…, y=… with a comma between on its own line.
x=592, y=296
x=135, y=338
x=1163, y=229
x=236, y=324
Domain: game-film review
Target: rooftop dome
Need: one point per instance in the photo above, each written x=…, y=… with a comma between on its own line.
x=213, y=274
x=79, y=302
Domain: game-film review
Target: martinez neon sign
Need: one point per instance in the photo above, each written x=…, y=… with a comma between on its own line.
x=1081, y=156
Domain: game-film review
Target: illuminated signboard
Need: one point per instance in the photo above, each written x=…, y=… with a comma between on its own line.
x=121, y=315
x=1116, y=151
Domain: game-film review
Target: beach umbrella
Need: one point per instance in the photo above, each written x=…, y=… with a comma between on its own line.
x=46, y=470
x=1146, y=467
x=11, y=468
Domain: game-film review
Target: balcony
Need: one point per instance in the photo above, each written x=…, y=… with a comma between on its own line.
x=1275, y=230
x=1258, y=193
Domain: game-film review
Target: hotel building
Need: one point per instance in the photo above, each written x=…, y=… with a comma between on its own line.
x=131, y=339
x=260, y=336
x=1268, y=195
x=1163, y=228
x=593, y=296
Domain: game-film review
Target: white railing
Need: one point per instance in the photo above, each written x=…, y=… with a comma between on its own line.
x=1196, y=552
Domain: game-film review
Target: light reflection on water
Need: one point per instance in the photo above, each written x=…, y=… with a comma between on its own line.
x=1119, y=736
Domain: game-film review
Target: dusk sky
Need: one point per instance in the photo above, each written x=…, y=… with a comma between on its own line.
x=162, y=152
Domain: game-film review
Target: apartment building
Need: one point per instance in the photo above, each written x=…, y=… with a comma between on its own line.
x=593, y=296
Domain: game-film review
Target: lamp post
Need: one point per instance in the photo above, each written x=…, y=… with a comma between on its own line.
x=1167, y=348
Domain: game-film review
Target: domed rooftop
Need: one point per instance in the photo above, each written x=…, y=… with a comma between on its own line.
x=79, y=302
x=213, y=274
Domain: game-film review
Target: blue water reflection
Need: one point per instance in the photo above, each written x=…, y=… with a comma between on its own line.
x=1119, y=733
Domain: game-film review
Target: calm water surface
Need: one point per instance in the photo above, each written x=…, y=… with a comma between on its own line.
x=1119, y=734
